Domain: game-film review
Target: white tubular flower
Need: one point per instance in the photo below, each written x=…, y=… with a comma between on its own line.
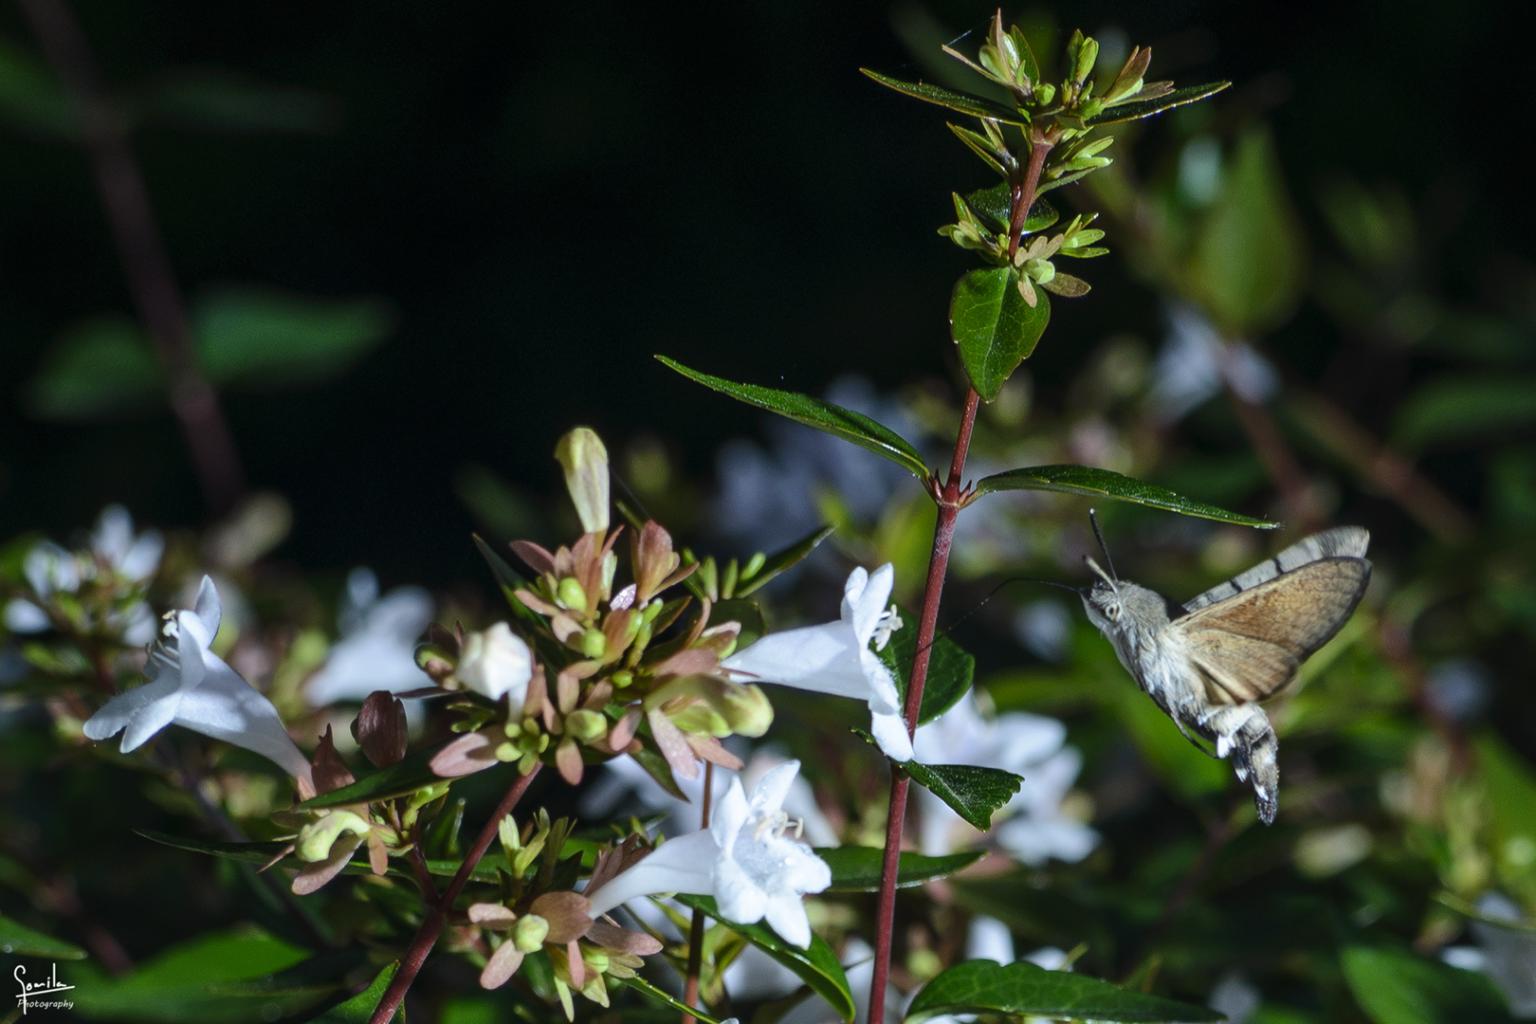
x=744, y=860
x=133, y=556
x=836, y=658
x=376, y=650
x=496, y=663
x=192, y=687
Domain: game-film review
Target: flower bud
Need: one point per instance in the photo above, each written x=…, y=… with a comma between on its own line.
x=585, y=461
x=316, y=839
x=379, y=729
x=570, y=595
x=529, y=933
x=593, y=644
x=586, y=725
x=1087, y=54
x=496, y=663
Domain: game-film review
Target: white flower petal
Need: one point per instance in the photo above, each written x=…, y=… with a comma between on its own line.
x=226, y=707
x=142, y=558
x=737, y=893
x=208, y=608
x=890, y=732
x=25, y=617
x=684, y=865
x=1034, y=840
x=730, y=813
x=821, y=658
x=803, y=871
x=989, y=939
x=786, y=915
x=115, y=715
x=883, y=695
x=871, y=601
x=769, y=793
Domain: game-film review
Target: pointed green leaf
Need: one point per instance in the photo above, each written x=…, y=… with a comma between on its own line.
x=1400, y=987
x=665, y=998
x=857, y=868
x=1103, y=483
x=263, y=853
x=995, y=206
x=965, y=103
x=1018, y=989
x=994, y=328
x=1135, y=110
x=813, y=412
x=951, y=669
x=972, y=791
x=816, y=965
x=16, y=939
x=784, y=560
x=399, y=779
x=360, y=1007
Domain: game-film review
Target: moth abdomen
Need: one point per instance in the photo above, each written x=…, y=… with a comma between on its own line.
x=1243, y=734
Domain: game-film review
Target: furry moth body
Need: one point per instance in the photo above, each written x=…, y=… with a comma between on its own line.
x=1211, y=662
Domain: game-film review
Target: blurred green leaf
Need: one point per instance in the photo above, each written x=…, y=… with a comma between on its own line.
x=30, y=97
x=961, y=102
x=360, y=1007
x=1096, y=483
x=266, y=338
x=665, y=998
x=16, y=939
x=816, y=965
x=973, y=792
x=1178, y=764
x=784, y=560
x=100, y=366
x=858, y=868
x=1248, y=260
x=188, y=983
x=984, y=986
x=1400, y=987
x=993, y=327
x=228, y=102
x=951, y=670
x=1509, y=784
x=813, y=412
x=1138, y=109
x=1461, y=408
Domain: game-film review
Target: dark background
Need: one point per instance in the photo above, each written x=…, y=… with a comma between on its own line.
x=546, y=196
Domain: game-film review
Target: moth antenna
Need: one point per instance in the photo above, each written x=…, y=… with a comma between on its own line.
x=1099, y=535
x=993, y=593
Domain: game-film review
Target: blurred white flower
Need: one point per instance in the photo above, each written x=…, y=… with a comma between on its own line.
x=1031, y=826
x=1194, y=361
x=377, y=646
x=835, y=658
x=115, y=550
x=1234, y=998
x=497, y=663
x=192, y=687
x=1043, y=627
x=745, y=860
x=1506, y=955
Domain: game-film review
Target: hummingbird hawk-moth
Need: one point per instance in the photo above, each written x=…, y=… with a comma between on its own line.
x=1212, y=661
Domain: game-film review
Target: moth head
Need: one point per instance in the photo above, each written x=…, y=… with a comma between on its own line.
x=1102, y=599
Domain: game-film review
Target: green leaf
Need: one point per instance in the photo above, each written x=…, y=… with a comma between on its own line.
x=972, y=791
x=951, y=670
x=260, y=337
x=995, y=206
x=222, y=101
x=199, y=982
x=665, y=998
x=813, y=412
x=16, y=939
x=784, y=560
x=1136, y=110
x=400, y=779
x=360, y=1007
x=958, y=101
x=983, y=986
x=31, y=97
x=1399, y=987
x=263, y=853
x=994, y=328
x=1248, y=261
x=1103, y=483
x=1462, y=408
x=98, y=367
x=816, y=965
x=857, y=868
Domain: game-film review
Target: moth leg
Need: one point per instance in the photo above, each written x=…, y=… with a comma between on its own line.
x=1243, y=732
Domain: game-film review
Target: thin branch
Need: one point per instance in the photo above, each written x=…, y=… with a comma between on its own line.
x=140, y=249
x=696, y=926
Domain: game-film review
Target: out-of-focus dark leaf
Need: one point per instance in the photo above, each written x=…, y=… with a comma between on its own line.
x=665, y=998
x=266, y=338
x=1400, y=987
x=99, y=367
x=857, y=868
x=1460, y=408
x=30, y=96
x=16, y=939
x=359, y=1008
x=1018, y=989
x=223, y=101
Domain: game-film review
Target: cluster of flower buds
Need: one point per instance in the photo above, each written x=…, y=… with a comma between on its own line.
x=598, y=667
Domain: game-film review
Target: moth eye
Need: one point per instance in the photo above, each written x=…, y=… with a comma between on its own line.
x=1112, y=612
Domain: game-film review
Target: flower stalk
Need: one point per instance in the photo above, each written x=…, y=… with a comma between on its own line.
x=696, y=926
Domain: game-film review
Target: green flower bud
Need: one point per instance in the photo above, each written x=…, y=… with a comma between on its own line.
x=585, y=461
x=756, y=562
x=622, y=678
x=700, y=718
x=570, y=595
x=1087, y=53
x=586, y=725
x=593, y=643
x=529, y=933
x=316, y=839
x=747, y=709
x=1041, y=271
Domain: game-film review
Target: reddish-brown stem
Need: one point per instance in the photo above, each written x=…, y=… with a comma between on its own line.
x=696, y=927
x=437, y=912
x=141, y=251
x=949, y=499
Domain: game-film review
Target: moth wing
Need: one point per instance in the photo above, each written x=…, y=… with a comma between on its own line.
x=1339, y=542
x=1249, y=646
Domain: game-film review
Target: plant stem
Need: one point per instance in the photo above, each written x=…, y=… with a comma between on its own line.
x=140, y=249
x=437, y=911
x=950, y=500
x=696, y=927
